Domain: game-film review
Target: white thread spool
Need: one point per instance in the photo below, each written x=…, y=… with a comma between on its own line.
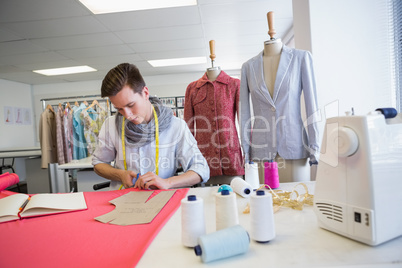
x=241, y=187
x=192, y=220
x=251, y=175
x=262, y=217
x=226, y=210
x=223, y=244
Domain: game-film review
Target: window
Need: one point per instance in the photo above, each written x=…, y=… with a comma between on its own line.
x=396, y=43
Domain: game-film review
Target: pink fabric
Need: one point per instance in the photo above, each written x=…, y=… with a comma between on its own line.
x=7, y=179
x=75, y=239
x=212, y=106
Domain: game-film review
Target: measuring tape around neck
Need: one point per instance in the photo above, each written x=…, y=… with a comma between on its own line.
x=123, y=144
x=156, y=141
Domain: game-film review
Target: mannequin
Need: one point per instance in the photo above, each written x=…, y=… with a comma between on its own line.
x=213, y=72
x=271, y=57
x=211, y=105
x=279, y=110
x=288, y=170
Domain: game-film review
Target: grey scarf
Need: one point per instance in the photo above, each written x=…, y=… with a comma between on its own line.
x=142, y=134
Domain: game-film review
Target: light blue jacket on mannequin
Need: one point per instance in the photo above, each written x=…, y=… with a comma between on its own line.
x=276, y=125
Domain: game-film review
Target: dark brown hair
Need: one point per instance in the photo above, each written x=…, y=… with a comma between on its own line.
x=120, y=76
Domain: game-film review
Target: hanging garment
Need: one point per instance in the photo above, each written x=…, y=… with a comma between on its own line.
x=47, y=138
x=210, y=110
x=79, y=144
x=59, y=135
x=68, y=134
x=277, y=125
x=92, y=125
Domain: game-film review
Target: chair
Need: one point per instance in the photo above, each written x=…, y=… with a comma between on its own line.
x=4, y=166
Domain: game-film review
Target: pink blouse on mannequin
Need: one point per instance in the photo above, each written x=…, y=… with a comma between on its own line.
x=210, y=111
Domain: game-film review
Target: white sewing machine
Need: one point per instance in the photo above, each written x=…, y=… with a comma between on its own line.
x=358, y=190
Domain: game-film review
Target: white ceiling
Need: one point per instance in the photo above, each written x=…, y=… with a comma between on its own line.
x=41, y=34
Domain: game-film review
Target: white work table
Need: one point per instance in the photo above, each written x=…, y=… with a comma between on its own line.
x=86, y=177
x=299, y=242
x=20, y=152
x=78, y=164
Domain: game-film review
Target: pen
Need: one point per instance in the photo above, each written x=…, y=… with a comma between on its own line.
x=138, y=175
x=136, y=179
x=24, y=204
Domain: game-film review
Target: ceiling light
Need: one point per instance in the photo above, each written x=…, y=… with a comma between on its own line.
x=177, y=61
x=66, y=70
x=107, y=6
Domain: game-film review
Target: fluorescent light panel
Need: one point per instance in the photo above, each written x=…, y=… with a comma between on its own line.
x=65, y=70
x=177, y=61
x=112, y=6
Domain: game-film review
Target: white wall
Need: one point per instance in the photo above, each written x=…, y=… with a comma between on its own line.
x=348, y=40
x=13, y=94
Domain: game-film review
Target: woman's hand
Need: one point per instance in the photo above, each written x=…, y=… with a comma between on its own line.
x=151, y=181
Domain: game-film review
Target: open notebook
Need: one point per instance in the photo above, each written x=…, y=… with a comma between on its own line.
x=18, y=206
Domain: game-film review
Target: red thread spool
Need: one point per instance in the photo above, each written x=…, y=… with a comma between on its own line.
x=271, y=176
x=7, y=179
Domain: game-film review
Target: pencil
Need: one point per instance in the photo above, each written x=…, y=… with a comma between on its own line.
x=24, y=204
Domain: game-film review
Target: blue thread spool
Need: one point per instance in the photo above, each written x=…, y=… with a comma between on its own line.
x=222, y=244
x=225, y=187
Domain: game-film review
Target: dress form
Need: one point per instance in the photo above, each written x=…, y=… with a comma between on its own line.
x=271, y=57
x=213, y=72
x=289, y=170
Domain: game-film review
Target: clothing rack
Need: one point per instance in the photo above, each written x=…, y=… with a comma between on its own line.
x=86, y=97
x=57, y=184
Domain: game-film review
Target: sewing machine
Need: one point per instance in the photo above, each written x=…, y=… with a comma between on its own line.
x=359, y=177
